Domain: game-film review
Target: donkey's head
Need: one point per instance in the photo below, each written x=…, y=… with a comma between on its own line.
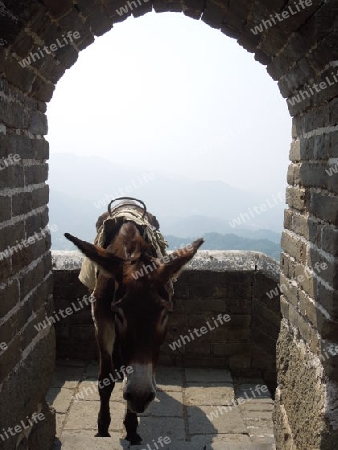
x=141, y=304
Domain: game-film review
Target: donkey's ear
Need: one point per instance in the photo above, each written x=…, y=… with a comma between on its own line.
x=110, y=263
x=173, y=263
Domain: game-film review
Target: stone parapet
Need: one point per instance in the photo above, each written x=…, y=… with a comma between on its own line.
x=214, y=283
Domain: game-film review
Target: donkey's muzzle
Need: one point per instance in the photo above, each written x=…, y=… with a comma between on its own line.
x=137, y=402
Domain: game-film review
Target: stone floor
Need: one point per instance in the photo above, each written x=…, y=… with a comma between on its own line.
x=195, y=409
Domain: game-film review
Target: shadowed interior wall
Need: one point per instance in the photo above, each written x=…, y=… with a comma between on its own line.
x=298, y=52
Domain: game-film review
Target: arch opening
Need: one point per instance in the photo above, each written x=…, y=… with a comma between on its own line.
x=173, y=119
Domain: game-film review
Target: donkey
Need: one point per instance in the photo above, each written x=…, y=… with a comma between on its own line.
x=132, y=301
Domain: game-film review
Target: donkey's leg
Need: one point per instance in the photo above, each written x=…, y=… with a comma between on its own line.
x=105, y=335
x=130, y=422
x=117, y=359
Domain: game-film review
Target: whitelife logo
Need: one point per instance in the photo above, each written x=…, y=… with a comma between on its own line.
x=282, y=288
x=86, y=391
x=129, y=6
x=260, y=390
x=11, y=160
x=183, y=340
x=310, y=91
x=12, y=431
x=62, y=42
x=332, y=170
x=286, y=14
x=9, y=251
x=86, y=300
x=244, y=217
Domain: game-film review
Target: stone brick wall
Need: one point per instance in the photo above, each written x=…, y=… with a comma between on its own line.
x=300, y=53
x=215, y=282
x=308, y=343
x=26, y=355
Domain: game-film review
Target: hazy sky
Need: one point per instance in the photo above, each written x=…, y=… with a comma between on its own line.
x=168, y=93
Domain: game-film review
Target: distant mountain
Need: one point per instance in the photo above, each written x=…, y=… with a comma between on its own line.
x=81, y=188
x=172, y=199
x=199, y=225
x=217, y=241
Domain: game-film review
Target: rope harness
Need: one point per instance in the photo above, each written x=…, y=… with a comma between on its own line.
x=123, y=212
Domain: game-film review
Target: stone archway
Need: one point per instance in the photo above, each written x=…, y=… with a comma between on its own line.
x=297, y=41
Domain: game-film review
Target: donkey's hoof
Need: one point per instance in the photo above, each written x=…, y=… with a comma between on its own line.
x=134, y=439
x=99, y=434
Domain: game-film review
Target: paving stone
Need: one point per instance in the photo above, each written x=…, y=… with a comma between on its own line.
x=117, y=394
x=255, y=405
x=169, y=378
x=254, y=417
x=85, y=440
x=152, y=427
x=223, y=421
x=166, y=404
x=224, y=442
x=198, y=375
x=83, y=416
x=252, y=446
x=268, y=439
x=259, y=426
x=247, y=426
x=259, y=429
x=173, y=445
x=60, y=422
x=209, y=395
x=88, y=390
x=67, y=377
x=252, y=391
x=60, y=398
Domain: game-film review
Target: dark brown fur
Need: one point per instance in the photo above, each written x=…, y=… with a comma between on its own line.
x=133, y=307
